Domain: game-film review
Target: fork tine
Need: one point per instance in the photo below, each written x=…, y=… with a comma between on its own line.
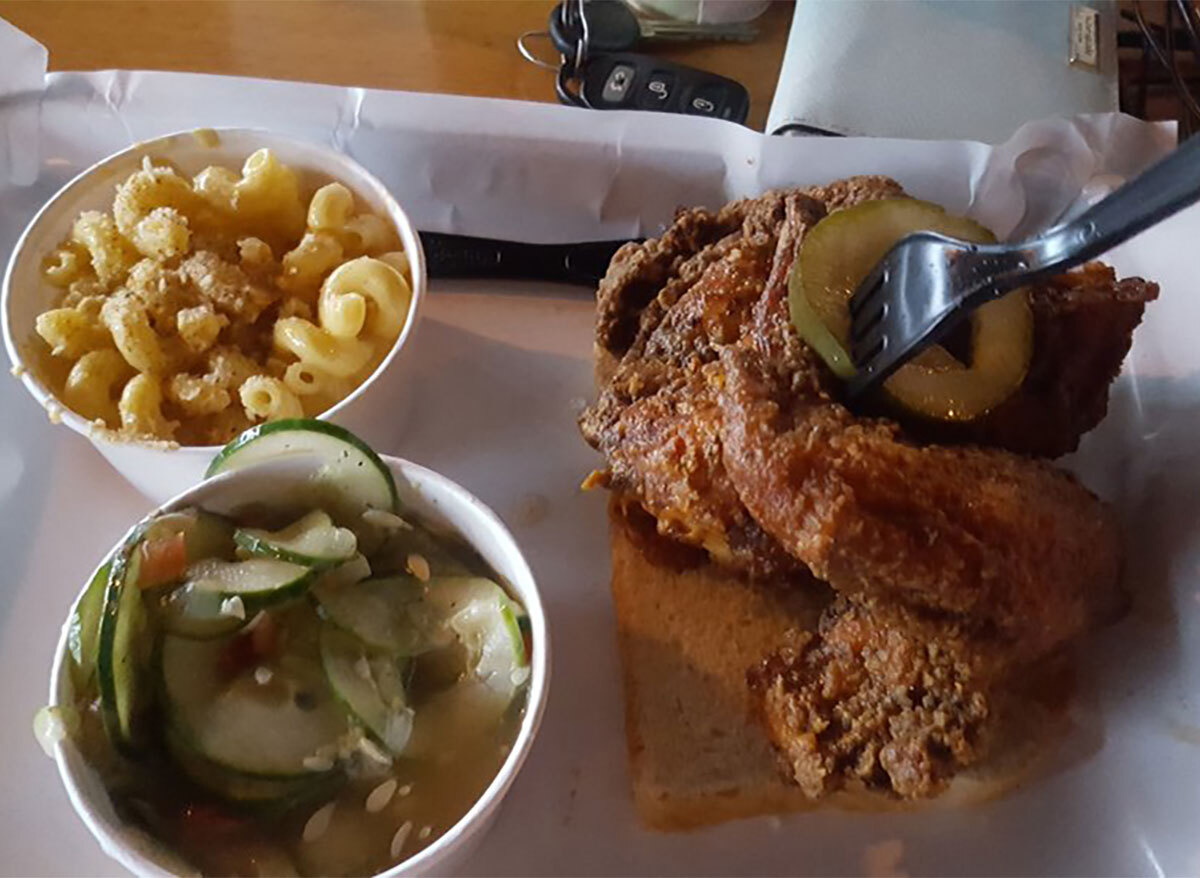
x=905, y=302
x=868, y=289
x=867, y=371
x=867, y=320
x=869, y=343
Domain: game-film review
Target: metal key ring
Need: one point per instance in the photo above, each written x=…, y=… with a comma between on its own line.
x=567, y=70
x=528, y=55
x=561, y=88
x=581, y=44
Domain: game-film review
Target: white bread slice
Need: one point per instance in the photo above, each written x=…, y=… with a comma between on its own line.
x=688, y=632
x=687, y=636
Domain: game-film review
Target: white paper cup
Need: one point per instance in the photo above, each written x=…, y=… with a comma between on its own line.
x=156, y=471
x=428, y=496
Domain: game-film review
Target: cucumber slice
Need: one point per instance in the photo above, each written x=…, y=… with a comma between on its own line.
x=484, y=618
x=523, y=621
x=256, y=582
x=313, y=540
x=458, y=718
x=371, y=685
x=272, y=729
x=83, y=631
x=125, y=645
x=386, y=613
x=249, y=789
x=495, y=666
x=199, y=614
x=836, y=255
x=354, y=570
x=492, y=665
x=444, y=553
x=206, y=534
x=348, y=465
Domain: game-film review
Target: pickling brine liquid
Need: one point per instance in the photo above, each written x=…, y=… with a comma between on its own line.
x=374, y=821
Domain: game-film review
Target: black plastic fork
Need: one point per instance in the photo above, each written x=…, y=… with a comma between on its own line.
x=928, y=283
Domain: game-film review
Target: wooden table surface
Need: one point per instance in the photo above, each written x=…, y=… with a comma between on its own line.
x=454, y=46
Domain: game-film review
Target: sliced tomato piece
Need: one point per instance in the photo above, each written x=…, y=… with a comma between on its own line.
x=164, y=560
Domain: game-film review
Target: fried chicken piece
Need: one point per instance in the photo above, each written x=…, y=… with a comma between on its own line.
x=893, y=698
x=1083, y=320
x=645, y=279
x=656, y=419
x=963, y=565
x=958, y=565
x=1005, y=540
x=658, y=427
x=1083, y=324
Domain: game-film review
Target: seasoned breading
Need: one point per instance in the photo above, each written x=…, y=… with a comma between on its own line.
x=1007, y=541
x=1083, y=327
x=657, y=422
x=958, y=565
x=881, y=694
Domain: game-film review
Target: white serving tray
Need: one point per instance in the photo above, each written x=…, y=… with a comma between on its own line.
x=500, y=371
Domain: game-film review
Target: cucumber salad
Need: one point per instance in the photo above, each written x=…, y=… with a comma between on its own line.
x=316, y=687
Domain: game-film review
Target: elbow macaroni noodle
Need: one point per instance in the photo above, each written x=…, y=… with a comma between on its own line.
x=140, y=407
x=268, y=398
x=94, y=383
x=320, y=349
x=364, y=294
x=199, y=307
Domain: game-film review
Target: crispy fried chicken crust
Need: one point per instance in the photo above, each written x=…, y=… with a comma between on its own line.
x=1083, y=325
x=982, y=533
x=957, y=565
x=883, y=695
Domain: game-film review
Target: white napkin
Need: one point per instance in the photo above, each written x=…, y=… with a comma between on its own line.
x=940, y=70
x=22, y=73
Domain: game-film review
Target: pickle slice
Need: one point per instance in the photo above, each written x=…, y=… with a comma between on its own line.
x=836, y=255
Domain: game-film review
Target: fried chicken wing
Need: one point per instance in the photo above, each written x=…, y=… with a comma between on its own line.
x=982, y=533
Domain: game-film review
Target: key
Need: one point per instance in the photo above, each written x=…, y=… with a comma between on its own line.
x=613, y=27
x=610, y=79
x=668, y=29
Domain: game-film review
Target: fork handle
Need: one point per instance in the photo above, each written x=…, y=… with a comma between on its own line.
x=987, y=271
x=1165, y=189
x=460, y=256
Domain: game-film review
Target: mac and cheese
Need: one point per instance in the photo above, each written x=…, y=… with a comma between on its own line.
x=199, y=307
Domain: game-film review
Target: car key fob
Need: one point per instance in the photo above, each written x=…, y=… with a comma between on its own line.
x=633, y=81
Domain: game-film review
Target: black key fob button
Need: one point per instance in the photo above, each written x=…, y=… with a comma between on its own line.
x=705, y=102
x=618, y=84
x=629, y=80
x=656, y=92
